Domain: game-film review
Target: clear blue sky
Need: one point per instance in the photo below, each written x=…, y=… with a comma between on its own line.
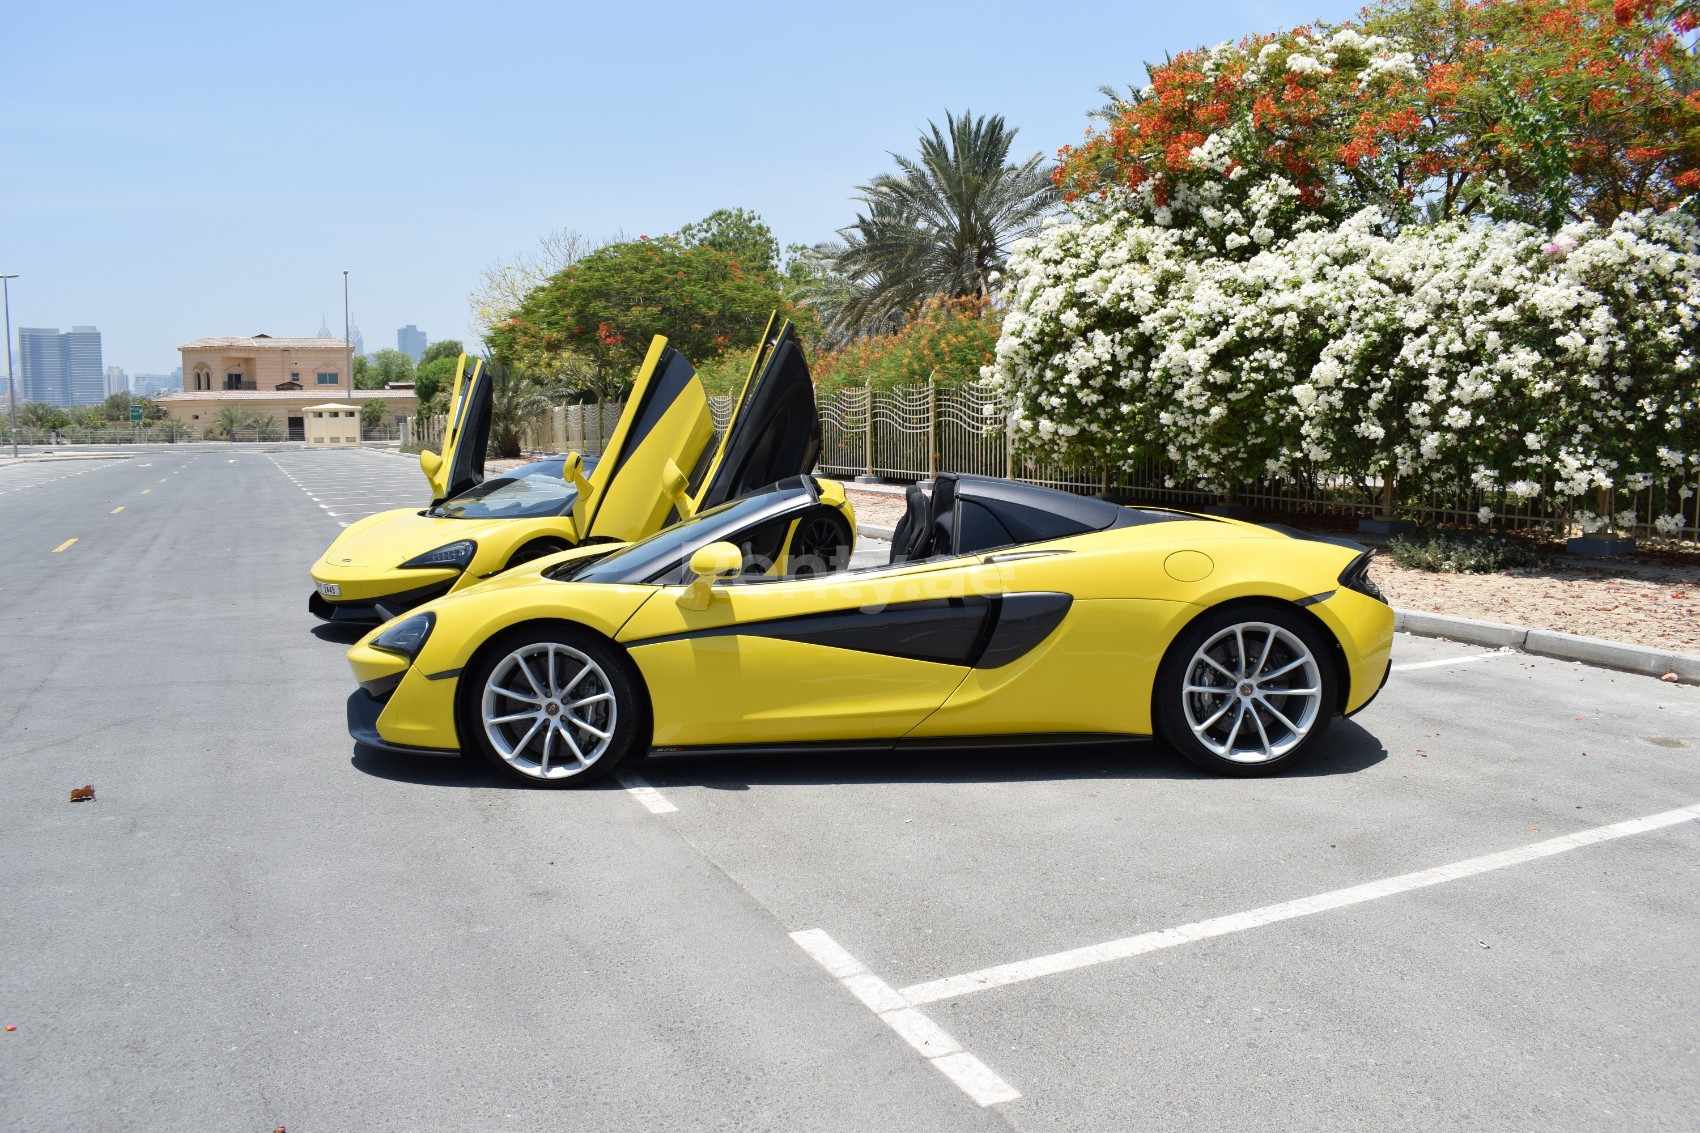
x=182, y=170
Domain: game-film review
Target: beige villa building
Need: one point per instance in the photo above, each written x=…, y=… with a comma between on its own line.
x=264, y=376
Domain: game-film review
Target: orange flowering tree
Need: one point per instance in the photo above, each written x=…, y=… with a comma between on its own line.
x=1537, y=110
x=948, y=340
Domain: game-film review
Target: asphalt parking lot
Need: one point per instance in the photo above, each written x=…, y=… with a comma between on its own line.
x=1476, y=910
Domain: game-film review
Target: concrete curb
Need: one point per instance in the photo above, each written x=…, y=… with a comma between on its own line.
x=1550, y=643
x=873, y=531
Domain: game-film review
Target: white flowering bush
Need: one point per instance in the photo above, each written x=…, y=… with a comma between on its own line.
x=1452, y=356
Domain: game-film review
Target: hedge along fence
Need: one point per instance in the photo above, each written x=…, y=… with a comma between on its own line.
x=916, y=433
x=1553, y=380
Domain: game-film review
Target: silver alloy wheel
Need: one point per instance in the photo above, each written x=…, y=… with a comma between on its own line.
x=549, y=710
x=1252, y=692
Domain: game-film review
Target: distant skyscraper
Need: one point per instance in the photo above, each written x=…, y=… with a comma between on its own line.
x=356, y=341
x=61, y=369
x=410, y=340
x=324, y=328
x=117, y=381
x=147, y=385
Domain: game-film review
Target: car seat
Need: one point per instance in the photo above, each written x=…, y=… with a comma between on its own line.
x=928, y=528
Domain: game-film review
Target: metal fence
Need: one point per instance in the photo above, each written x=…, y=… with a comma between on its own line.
x=913, y=434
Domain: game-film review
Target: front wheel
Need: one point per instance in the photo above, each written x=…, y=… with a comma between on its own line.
x=554, y=707
x=1246, y=691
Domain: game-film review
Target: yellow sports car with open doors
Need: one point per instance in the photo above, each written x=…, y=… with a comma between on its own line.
x=662, y=462
x=1007, y=614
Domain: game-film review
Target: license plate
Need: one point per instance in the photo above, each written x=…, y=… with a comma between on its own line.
x=329, y=589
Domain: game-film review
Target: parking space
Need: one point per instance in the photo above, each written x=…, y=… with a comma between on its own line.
x=1474, y=908
x=1457, y=881
x=350, y=484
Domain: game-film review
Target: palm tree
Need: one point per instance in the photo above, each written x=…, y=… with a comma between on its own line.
x=226, y=422
x=515, y=398
x=943, y=223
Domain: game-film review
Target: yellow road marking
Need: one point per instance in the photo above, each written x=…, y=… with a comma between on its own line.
x=162, y=479
x=63, y=545
x=145, y=491
x=117, y=509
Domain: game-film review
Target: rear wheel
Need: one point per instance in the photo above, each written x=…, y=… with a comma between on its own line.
x=820, y=545
x=1246, y=691
x=554, y=707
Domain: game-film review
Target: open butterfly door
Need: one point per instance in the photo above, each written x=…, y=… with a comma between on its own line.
x=775, y=429
x=466, y=435
x=637, y=488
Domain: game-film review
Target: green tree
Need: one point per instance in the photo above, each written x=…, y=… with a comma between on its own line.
x=40, y=415
x=943, y=223
x=363, y=374
x=737, y=232
x=228, y=422
x=372, y=412
x=434, y=374
x=384, y=367
x=116, y=407
x=449, y=348
x=591, y=324
x=515, y=398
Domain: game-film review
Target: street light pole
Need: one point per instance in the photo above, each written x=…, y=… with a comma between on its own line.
x=11, y=393
x=347, y=342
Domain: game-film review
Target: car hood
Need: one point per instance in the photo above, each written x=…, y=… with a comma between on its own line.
x=386, y=540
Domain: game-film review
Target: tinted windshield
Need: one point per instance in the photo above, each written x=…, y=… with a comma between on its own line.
x=660, y=554
x=527, y=492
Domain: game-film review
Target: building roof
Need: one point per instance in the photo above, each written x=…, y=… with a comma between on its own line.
x=264, y=342
x=334, y=405
x=281, y=394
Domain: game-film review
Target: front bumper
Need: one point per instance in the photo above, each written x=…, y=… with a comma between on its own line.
x=363, y=713
x=1385, y=673
x=371, y=611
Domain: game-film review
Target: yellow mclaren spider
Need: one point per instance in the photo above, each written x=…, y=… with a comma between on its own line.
x=1007, y=614
x=661, y=462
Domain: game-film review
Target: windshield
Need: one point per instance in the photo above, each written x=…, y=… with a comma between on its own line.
x=527, y=492
x=650, y=559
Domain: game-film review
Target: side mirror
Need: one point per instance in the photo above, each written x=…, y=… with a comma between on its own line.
x=572, y=471
x=675, y=485
x=430, y=463
x=710, y=564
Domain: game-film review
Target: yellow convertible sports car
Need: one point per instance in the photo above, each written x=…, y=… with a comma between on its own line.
x=1008, y=614
x=661, y=463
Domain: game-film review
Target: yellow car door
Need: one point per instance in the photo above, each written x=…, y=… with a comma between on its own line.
x=466, y=435
x=666, y=426
x=826, y=659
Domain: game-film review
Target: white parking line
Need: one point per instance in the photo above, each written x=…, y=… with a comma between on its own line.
x=1022, y=970
x=972, y=1076
x=653, y=800
x=1464, y=660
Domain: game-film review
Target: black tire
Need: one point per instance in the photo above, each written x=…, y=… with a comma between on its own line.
x=506, y=713
x=1246, y=690
x=535, y=549
x=820, y=545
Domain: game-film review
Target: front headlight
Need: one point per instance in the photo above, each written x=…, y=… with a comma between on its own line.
x=406, y=638
x=456, y=555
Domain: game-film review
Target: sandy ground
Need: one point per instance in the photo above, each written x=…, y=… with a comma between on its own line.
x=1642, y=604
x=1660, y=608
